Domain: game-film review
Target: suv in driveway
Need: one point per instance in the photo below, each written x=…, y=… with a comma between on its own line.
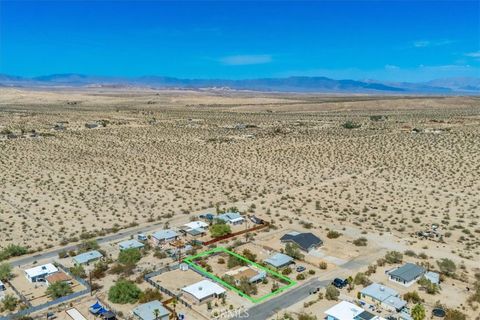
x=339, y=283
x=300, y=269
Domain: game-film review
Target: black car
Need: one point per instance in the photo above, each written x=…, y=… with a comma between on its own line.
x=339, y=283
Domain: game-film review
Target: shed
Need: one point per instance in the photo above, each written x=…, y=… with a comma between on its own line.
x=147, y=311
x=87, y=257
x=434, y=277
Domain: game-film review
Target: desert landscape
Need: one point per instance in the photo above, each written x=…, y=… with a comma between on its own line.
x=380, y=171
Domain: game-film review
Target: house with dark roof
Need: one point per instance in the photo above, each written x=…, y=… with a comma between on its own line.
x=407, y=274
x=306, y=240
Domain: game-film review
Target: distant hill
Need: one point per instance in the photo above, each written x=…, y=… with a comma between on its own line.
x=290, y=84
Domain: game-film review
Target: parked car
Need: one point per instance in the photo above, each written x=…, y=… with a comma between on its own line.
x=300, y=269
x=339, y=283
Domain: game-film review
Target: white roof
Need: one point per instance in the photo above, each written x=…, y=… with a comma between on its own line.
x=203, y=289
x=75, y=314
x=344, y=311
x=196, y=225
x=41, y=270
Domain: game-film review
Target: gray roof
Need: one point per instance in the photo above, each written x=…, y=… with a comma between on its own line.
x=305, y=240
x=87, y=257
x=164, y=234
x=129, y=244
x=279, y=260
x=379, y=292
x=395, y=302
x=146, y=311
x=434, y=277
x=408, y=272
x=228, y=216
x=196, y=232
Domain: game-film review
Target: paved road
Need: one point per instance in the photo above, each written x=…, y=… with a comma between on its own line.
x=267, y=309
x=125, y=233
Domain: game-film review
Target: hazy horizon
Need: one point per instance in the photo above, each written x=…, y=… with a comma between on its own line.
x=385, y=41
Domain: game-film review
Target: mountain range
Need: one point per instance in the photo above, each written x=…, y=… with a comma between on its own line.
x=462, y=86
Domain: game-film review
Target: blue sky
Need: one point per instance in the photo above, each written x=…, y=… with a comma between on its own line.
x=395, y=41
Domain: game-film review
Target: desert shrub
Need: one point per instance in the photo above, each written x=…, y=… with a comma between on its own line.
x=59, y=289
x=428, y=286
x=123, y=292
x=332, y=234
x=9, y=302
x=361, y=279
x=393, y=257
x=351, y=125
x=360, y=242
x=332, y=293
x=323, y=265
x=454, y=314
x=306, y=316
x=410, y=253
x=447, y=267
x=286, y=271
x=12, y=250
x=150, y=295
x=5, y=271
x=412, y=297
x=249, y=255
x=300, y=276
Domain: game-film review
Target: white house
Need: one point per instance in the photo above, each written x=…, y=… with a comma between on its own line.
x=39, y=273
x=231, y=217
x=348, y=311
x=195, y=225
x=202, y=291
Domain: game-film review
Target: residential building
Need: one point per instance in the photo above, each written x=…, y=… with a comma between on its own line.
x=348, y=311
x=279, y=260
x=233, y=218
x=130, y=244
x=383, y=296
x=163, y=236
x=39, y=273
x=153, y=310
x=202, y=291
x=305, y=241
x=87, y=257
x=252, y=274
x=407, y=274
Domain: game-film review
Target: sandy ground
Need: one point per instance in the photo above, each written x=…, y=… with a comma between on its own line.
x=285, y=158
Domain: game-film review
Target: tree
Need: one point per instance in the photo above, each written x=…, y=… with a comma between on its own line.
x=447, y=266
x=129, y=256
x=332, y=293
x=293, y=250
x=123, y=292
x=59, y=289
x=418, y=312
x=10, y=302
x=219, y=229
x=412, y=297
x=361, y=279
x=78, y=271
x=5, y=271
x=246, y=287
